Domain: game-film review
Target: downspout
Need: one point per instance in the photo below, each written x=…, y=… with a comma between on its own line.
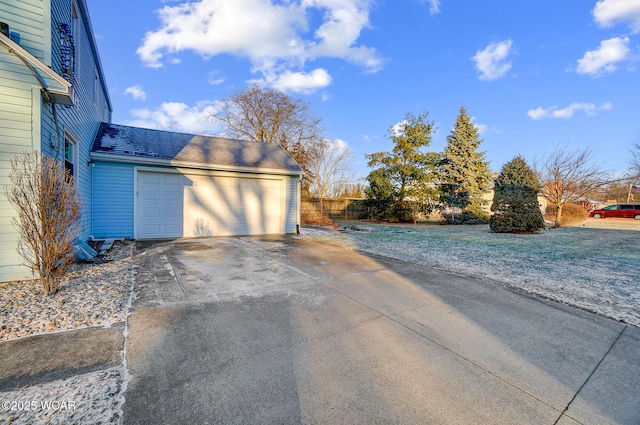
x=92, y=166
x=55, y=120
x=47, y=98
x=298, y=202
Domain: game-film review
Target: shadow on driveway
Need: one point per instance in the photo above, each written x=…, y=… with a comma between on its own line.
x=284, y=330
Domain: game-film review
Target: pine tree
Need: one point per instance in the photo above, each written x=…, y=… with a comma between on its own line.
x=465, y=171
x=515, y=201
x=401, y=178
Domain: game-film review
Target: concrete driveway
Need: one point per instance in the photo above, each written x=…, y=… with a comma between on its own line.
x=279, y=330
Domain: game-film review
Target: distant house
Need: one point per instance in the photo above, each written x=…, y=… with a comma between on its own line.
x=134, y=183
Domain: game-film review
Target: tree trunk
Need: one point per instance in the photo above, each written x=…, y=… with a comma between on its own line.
x=559, y=215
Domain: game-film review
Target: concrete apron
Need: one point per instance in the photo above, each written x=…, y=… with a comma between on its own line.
x=44, y=358
x=283, y=330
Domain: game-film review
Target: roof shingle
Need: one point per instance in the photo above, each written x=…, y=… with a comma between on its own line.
x=209, y=151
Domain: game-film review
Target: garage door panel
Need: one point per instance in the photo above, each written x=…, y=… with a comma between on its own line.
x=151, y=212
x=151, y=195
x=150, y=178
x=174, y=205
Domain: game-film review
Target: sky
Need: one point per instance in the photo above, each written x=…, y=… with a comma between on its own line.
x=534, y=75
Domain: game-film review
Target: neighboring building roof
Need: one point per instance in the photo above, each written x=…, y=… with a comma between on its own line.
x=144, y=146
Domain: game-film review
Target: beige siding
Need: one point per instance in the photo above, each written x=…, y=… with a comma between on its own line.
x=27, y=18
x=16, y=129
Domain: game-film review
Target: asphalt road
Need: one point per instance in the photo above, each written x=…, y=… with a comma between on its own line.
x=282, y=330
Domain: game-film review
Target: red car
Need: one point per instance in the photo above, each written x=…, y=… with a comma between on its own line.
x=618, y=210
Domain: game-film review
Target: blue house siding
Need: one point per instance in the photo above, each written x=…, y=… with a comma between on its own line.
x=113, y=213
x=114, y=193
x=80, y=122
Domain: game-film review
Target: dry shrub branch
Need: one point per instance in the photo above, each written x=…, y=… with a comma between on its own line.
x=49, y=211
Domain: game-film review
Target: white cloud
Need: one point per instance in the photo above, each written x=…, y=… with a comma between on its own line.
x=341, y=147
x=275, y=36
x=175, y=116
x=482, y=128
x=492, y=62
x=301, y=82
x=398, y=128
x=607, y=13
x=215, y=78
x=136, y=92
x=602, y=60
x=569, y=111
x=434, y=6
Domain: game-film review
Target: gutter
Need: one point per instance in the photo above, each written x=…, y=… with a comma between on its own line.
x=136, y=160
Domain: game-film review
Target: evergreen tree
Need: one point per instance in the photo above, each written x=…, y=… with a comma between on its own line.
x=515, y=201
x=399, y=174
x=464, y=171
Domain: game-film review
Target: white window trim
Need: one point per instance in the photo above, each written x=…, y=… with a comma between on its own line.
x=75, y=153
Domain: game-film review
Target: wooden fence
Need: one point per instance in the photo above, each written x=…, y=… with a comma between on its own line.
x=345, y=209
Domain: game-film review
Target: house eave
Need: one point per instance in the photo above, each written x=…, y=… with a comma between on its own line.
x=64, y=95
x=128, y=159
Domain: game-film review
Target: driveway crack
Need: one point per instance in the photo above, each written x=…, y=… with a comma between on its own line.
x=591, y=374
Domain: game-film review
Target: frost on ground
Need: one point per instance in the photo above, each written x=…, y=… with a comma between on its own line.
x=592, y=269
x=89, y=295
x=92, y=398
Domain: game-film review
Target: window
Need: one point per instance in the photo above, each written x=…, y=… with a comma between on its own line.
x=69, y=37
x=71, y=156
x=96, y=89
x=610, y=208
x=626, y=207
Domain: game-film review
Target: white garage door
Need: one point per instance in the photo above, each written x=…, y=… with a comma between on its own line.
x=186, y=205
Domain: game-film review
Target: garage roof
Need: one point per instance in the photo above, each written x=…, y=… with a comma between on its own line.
x=141, y=145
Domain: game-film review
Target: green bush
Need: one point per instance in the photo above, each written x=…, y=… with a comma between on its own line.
x=467, y=217
x=515, y=201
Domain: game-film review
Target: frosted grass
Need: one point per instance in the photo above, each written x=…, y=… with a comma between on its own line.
x=596, y=270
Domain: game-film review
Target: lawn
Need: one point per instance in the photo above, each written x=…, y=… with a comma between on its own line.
x=593, y=269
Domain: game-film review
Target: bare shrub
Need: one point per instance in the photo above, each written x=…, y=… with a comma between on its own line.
x=314, y=218
x=572, y=214
x=49, y=212
x=568, y=176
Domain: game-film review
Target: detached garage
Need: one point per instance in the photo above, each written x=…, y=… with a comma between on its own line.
x=151, y=184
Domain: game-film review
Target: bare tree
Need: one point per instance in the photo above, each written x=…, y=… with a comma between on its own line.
x=348, y=189
x=328, y=167
x=568, y=175
x=634, y=162
x=271, y=116
x=48, y=222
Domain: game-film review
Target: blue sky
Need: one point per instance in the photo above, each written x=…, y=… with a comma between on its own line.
x=533, y=74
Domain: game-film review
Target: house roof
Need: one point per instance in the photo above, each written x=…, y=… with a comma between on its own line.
x=122, y=143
